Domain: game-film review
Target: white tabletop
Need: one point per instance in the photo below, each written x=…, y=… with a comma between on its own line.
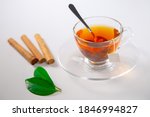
x=53, y=20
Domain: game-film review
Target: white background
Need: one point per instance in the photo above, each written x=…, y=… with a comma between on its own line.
x=53, y=20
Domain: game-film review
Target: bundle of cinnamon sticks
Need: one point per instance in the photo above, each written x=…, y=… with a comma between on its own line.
x=34, y=55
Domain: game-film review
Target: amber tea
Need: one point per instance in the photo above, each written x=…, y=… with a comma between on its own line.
x=103, y=34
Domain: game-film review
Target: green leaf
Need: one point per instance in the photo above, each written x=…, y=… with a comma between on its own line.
x=41, y=83
x=40, y=86
x=42, y=73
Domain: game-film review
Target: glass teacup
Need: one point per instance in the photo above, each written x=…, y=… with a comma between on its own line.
x=108, y=35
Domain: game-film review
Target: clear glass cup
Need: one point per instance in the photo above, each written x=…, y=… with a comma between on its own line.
x=99, y=60
x=96, y=53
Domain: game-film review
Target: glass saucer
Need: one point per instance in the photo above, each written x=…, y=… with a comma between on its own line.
x=73, y=62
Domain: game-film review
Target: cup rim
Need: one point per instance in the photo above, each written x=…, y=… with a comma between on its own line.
x=112, y=40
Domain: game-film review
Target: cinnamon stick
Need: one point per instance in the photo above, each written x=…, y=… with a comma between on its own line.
x=46, y=52
x=28, y=56
x=33, y=49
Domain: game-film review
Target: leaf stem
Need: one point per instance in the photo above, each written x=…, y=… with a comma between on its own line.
x=58, y=89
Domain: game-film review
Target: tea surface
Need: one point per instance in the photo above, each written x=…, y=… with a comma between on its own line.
x=102, y=33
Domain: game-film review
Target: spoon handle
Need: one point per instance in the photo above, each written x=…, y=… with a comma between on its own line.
x=74, y=10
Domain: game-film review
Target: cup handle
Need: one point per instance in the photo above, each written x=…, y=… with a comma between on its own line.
x=127, y=35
